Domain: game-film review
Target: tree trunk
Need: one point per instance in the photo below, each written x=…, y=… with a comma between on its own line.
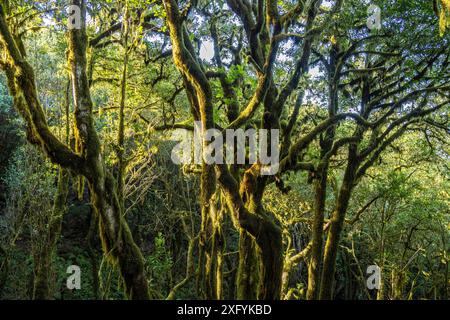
x=247, y=274
x=267, y=248
x=116, y=237
x=117, y=241
x=259, y=224
x=320, y=185
x=315, y=261
x=337, y=223
x=270, y=249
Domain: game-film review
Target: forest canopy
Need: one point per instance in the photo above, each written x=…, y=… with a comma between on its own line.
x=323, y=130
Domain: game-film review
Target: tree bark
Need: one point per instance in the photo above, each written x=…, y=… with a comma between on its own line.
x=247, y=273
x=337, y=223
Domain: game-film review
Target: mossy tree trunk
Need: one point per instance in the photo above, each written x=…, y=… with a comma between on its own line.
x=248, y=269
x=315, y=260
x=261, y=226
x=207, y=248
x=118, y=243
x=261, y=248
x=214, y=255
x=320, y=184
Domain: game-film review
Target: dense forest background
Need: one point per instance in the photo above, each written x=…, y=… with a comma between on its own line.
x=88, y=113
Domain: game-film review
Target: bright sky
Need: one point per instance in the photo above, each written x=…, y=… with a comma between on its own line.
x=207, y=50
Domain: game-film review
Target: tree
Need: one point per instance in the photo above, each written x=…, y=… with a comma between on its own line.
x=117, y=240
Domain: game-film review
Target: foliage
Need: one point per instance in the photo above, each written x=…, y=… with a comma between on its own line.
x=363, y=117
